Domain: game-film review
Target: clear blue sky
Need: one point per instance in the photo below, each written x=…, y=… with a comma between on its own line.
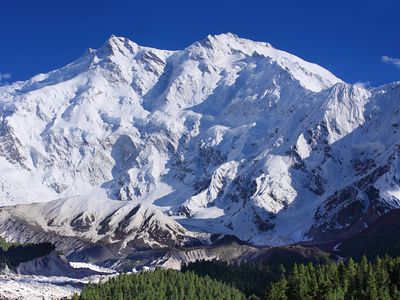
x=347, y=37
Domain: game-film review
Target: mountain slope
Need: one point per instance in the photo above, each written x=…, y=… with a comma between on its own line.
x=378, y=239
x=133, y=225
x=227, y=136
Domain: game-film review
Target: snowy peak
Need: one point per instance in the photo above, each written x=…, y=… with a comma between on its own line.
x=229, y=41
x=117, y=46
x=227, y=136
x=310, y=76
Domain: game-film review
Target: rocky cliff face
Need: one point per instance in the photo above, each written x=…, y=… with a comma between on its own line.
x=144, y=146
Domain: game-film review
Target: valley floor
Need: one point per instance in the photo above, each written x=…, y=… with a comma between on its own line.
x=32, y=287
x=37, y=287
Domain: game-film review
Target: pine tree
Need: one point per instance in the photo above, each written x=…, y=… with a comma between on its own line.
x=278, y=291
x=371, y=289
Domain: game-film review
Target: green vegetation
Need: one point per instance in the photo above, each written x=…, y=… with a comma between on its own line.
x=159, y=285
x=256, y=278
x=364, y=280
x=4, y=245
x=248, y=278
x=379, y=279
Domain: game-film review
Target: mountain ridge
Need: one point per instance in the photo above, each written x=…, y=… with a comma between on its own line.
x=227, y=136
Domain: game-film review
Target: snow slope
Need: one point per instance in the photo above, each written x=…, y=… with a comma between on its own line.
x=227, y=136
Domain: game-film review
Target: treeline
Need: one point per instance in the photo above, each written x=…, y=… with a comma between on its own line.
x=251, y=279
x=351, y=280
x=379, y=279
x=256, y=278
x=160, y=285
x=12, y=254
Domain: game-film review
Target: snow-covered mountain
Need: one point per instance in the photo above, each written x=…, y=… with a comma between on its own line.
x=229, y=136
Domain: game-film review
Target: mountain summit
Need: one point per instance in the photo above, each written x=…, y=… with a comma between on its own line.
x=228, y=136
